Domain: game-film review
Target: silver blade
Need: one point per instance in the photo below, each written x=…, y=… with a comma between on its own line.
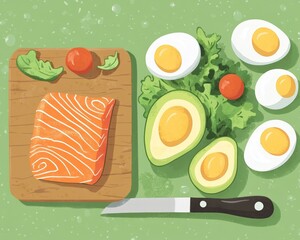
x=148, y=205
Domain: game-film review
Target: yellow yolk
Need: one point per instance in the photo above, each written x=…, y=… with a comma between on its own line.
x=285, y=86
x=265, y=41
x=275, y=141
x=167, y=58
x=214, y=166
x=175, y=126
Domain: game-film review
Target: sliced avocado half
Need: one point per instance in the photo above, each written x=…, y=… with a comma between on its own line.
x=214, y=168
x=174, y=126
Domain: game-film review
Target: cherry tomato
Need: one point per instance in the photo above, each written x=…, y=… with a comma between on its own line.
x=79, y=60
x=231, y=86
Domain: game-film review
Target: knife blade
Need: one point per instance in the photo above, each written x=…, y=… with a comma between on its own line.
x=251, y=206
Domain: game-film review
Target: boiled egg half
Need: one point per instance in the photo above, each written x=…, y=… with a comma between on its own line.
x=259, y=42
x=270, y=146
x=276, y=89
x=173, y=56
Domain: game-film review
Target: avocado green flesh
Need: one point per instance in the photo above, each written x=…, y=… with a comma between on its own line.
x=224, y=145
x=158, y=153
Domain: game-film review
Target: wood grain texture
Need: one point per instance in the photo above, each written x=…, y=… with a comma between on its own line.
x=24, y=97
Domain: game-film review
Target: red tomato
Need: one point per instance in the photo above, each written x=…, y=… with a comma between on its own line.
x=231, y=86
x=79, y=60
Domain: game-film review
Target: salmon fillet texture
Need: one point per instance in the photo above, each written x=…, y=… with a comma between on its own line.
x=69, y=139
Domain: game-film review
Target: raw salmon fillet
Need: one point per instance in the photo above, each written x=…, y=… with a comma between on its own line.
x=70, y=138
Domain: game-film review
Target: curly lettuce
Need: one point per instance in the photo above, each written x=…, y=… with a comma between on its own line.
x=223, y=116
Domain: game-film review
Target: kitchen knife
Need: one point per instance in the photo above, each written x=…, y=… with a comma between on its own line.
x=251, y=207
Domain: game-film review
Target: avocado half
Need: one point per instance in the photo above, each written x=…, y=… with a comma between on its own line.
x=224, y=145
x=188, y=117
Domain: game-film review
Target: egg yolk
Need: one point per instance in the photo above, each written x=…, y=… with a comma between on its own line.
x=214, y=166
x=275, y=141
x=285, y=86
x=175, y=126
x=265, y=41
x=167, y=58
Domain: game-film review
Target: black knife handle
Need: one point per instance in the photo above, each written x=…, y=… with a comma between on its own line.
x=251, y=207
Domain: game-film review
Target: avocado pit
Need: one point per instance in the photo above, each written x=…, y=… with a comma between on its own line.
x=175, y=125
x=214, y=166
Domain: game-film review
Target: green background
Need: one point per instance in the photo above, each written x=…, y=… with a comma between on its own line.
x=133, y=25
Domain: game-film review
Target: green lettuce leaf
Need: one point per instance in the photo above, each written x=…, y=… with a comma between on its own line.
x=223, y=116
x=110, y=63
x=210, y=53
x=152, y=89
x=37, y=69
x=239, y=115
x=212, y=105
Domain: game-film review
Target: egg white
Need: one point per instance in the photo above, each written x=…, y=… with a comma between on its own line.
x=259, y=159
x=188, y=48
x=241, y=41
x=266, y=93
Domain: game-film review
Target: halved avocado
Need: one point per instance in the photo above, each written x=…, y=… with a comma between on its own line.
x=174, y=126
x=214, y=168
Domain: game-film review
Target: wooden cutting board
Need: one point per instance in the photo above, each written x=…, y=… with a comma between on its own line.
x=24, y=97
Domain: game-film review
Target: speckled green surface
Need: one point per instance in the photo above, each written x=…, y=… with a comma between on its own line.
x=133, y=25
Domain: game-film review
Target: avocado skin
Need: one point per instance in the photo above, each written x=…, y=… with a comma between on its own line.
x=220, y=186
x=176, y=94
